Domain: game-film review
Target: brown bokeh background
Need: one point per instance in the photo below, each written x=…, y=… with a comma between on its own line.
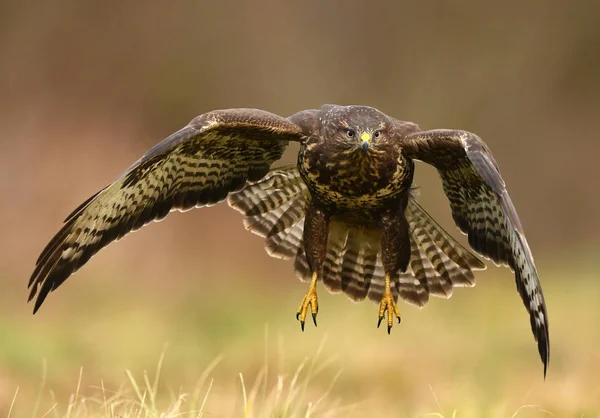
x=87, y=87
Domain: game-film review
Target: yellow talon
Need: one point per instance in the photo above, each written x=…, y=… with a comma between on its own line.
x=388, y=305
x=310, y=299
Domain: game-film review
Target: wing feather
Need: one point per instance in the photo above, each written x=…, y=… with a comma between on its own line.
x=482, y=208
x=199, y=165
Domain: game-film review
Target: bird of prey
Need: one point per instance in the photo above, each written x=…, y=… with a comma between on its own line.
x=346, y=211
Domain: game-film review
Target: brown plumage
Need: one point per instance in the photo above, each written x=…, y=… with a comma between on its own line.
x=347, y=212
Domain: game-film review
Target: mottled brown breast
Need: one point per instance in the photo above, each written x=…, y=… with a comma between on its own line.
x=348, y=180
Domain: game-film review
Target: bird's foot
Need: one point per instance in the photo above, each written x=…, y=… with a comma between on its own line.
x=388, y=304
x=310, y=300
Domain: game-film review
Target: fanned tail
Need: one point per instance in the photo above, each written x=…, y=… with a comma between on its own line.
x=438, y=262
x=275, y=206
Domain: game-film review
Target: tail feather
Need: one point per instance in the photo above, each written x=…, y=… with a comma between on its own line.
x=274, y=190
x=275, y=207
x=353, y=282
x=285, y=244
x=453, y=262
x=377, y=283
x=438, y=278
x=369, y=265
x=332, y=268
x=413, y=285
x=301, y=265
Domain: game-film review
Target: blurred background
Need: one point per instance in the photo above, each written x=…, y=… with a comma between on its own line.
x=87, y=87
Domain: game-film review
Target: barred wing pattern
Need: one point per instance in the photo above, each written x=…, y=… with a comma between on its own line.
x=482, y=209
x=215, y=154
x=274, y=208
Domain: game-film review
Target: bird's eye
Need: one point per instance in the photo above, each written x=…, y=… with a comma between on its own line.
x=350, y=133
x=376, y=134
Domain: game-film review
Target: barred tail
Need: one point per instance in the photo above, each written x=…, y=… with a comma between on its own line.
x=274, y=208
x=438, y=262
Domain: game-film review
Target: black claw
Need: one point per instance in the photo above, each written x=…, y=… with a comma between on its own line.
x=298, y=316
x=302, y=325
x=389, y=329
x=399, y=319
x=314, y=315
x=379, y=322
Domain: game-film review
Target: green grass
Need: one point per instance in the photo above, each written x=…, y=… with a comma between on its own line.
x=242, y=354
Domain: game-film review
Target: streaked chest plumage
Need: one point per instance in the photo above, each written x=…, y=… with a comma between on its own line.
x=348, y=180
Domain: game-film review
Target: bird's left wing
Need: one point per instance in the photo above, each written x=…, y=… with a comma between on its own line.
x=215, y=154
x=482, y=209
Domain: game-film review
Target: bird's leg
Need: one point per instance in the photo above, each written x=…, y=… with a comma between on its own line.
x=395, y=246
x=316, y=230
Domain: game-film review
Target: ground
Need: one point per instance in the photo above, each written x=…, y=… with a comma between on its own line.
x=97, y=345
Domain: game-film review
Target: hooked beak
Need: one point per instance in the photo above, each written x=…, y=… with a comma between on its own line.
x=365, y=140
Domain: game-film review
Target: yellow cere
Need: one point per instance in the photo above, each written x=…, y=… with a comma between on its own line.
x=365, y=137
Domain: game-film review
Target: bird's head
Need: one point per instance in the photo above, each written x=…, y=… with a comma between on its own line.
x=357, y=127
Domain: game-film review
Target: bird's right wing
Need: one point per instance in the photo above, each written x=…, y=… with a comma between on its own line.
x=215, y=154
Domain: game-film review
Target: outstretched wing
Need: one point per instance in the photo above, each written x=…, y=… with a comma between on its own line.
x=215, y=154
x=481, y=208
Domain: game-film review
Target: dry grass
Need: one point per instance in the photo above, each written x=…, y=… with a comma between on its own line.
x=283, y=395
x=472, y=356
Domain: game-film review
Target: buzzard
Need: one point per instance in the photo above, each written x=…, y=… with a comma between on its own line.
x=347, y=211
